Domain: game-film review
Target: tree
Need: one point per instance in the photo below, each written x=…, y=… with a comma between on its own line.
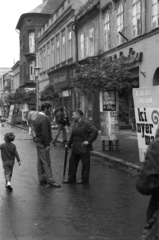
x=49, y=94
x=22, y=96
x=96, y=74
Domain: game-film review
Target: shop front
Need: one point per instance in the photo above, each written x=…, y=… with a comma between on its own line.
x=60, y=80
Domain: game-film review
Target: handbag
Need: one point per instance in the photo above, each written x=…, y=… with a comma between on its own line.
x=147, y=179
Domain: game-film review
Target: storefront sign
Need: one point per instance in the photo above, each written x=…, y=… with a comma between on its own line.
x=109, y=125
x=59, y=79
x=147, y=116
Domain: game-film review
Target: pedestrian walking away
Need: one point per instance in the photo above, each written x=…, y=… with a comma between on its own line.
x=31, y=120
x=83, y=135
x=8, y=155
x=43, y=139
x=61, y=122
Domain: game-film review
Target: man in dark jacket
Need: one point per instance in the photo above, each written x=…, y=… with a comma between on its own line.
x=61, y=122
x=43, y=139
x=82, y=136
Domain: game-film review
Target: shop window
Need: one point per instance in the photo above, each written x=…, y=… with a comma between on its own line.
x=155, y=13
x=136, y=18
x=107, y=32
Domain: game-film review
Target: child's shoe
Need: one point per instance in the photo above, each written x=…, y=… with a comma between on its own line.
x=8, y=186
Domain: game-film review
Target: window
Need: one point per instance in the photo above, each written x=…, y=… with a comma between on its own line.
x=52, y=53
x=107, y=32
x=136, y=17
x=48, y=55
x=63, y=48
x=57, y=51
x=91, y=42
x=32, y=71
x=44, y=58
x=70, y=44
x=82, y=39
x=120, y=23
x=155, y=13
x=32, y=42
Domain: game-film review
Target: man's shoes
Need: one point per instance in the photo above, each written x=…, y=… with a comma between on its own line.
x=43, y=183
x=56, y=185
x=68, y=182
x=81, y=182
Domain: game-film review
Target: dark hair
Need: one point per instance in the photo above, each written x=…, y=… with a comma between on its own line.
x=61, y=109
x=33, y=108
x=9, y=137
x=79, y=111
x=45, y=105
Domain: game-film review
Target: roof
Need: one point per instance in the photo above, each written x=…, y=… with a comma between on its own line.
x=44, y=9
x=48, y=6
x=90, y=4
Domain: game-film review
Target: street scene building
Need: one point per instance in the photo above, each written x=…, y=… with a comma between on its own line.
x=79, y=115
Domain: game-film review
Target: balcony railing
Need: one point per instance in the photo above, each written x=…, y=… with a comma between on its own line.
x=29, y=50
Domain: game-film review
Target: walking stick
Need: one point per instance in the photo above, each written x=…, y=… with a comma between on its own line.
x=65, y=163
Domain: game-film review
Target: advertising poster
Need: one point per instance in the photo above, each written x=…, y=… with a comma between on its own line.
x=109, y=101
x=109, y=125
x=146, y=103
x=10, y=118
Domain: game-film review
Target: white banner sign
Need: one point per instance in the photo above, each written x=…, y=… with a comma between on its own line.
x=146, y=103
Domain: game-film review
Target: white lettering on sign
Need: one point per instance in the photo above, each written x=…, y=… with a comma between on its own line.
x=144, y=100
x=59, y=79
x=141, y=93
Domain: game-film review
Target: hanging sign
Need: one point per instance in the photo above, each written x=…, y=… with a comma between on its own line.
x=146, y=105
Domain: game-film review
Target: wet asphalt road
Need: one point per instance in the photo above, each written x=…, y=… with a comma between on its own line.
x=108, y=208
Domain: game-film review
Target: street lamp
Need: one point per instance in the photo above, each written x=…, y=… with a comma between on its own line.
x=37, y=70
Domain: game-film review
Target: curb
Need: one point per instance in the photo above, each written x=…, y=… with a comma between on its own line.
x=114, y=160
x=102, y=156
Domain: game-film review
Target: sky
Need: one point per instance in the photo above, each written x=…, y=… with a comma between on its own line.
x=11, y=10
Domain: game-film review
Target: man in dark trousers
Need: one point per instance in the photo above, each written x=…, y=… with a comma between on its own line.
x=82, y=136
x=43, y=139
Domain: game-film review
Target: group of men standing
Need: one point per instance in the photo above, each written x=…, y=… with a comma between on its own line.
x=82, y=136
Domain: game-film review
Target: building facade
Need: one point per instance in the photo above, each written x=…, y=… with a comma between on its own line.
x=131, y=28
x=57, y=51
x=29, y=25
x=15, y=81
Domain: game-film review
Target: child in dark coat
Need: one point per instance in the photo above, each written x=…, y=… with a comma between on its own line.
x=8, y=155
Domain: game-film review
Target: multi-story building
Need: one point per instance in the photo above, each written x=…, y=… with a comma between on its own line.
x=29, y=25
x=87, y=23
x=15, y=81
x=131, y=28
x=57, y=51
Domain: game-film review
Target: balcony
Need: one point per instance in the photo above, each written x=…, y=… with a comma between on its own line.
x=29, y=51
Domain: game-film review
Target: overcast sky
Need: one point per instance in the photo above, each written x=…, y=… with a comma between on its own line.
x=9, y=38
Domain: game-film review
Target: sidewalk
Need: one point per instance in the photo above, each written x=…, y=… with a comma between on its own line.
x=127, y=156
